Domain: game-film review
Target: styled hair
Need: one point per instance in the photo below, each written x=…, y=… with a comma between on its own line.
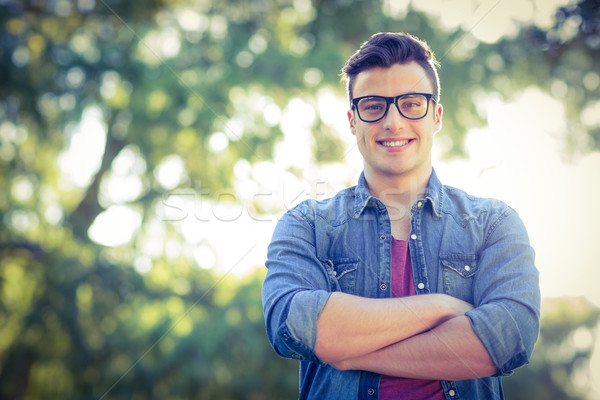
x=386, y=49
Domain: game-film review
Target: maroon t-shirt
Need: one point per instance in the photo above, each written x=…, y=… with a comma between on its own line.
x=391, y=388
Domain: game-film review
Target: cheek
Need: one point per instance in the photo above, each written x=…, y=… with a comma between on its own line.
x=362, y=135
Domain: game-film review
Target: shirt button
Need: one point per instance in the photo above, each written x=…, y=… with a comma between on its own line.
x=413, y=236
x=420, y=204
x=371, y=391
x=451, y=393
x=382, y=237
x=467, y=268
x=383, y=286
x=421, y=285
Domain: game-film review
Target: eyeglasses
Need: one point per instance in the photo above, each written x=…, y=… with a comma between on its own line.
x=410, y=106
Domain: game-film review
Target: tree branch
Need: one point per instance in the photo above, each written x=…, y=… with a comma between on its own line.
x=89, y=207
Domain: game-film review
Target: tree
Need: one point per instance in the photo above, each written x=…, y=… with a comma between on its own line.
x=560, y=360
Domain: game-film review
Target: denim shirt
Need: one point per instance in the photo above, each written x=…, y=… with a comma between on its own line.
x=471, y=248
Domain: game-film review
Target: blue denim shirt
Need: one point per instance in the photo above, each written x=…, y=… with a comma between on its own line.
x=471, y=248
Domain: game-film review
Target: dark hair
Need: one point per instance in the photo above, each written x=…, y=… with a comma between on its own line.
x=386, y=49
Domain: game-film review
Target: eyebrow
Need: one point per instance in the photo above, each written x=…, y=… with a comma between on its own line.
x=398, y=95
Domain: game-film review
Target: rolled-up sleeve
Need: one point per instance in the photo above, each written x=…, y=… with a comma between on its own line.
x=295, y=288
x=506, y=293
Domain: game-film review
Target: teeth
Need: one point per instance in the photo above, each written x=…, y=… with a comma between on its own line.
x=395, y=143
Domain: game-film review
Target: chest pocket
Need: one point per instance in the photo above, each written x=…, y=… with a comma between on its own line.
x=342, y=274
x=458, y=272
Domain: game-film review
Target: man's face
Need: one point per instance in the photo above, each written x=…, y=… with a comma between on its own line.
x=395, y=146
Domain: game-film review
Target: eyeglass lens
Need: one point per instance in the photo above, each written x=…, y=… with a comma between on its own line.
x=412, y=106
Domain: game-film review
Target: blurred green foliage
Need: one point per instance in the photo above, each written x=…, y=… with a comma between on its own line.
x=168, y=78
x=558, y=368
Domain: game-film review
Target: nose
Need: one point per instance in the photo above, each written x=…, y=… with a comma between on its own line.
x=394, y=120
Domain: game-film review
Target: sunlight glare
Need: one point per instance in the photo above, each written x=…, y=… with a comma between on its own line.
x=81, y=160
x=490, y=21
x=123, y=183
x=190, y=20
x=115, y=226
x=205, y=257
x=170, y=172
x=218, y=142
x=272, y=114
x=295, y=149
x=152, y=241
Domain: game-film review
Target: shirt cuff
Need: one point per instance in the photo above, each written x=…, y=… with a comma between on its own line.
x=499, y=333
x=301, y=324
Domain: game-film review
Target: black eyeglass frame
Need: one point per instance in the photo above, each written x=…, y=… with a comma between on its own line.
x=390, y=100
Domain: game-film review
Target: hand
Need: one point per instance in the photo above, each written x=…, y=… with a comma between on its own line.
x=457, y=307
x=343, y=365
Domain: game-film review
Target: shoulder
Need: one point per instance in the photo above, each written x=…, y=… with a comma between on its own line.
x=465, y=206
x=334, y=209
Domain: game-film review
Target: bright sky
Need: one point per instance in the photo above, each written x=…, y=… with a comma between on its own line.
x=489, y=21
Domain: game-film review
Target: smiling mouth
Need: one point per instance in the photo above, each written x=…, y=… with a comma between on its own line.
x=394, y=143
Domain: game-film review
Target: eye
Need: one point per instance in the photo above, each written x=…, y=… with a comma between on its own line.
x=412, y=102
x=371, y=104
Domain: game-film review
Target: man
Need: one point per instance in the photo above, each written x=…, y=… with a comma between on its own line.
x=400, y=287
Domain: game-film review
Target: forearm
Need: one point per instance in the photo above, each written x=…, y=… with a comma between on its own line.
x=351, y=326
x=451, y=351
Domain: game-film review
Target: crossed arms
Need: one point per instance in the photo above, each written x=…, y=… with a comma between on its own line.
x=422, y=337
x=425, y=336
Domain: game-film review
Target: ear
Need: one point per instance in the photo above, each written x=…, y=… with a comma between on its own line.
x=352, y=122
x=437, y=123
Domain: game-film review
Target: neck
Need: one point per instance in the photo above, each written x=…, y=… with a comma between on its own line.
x=403, y=185
x=398, y=192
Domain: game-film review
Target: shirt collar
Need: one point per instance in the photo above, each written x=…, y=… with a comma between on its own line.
x=362, y=195
x=434, y=194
